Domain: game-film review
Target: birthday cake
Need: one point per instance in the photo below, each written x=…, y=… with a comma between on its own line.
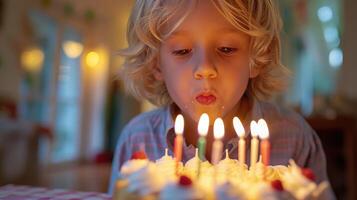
x=229, y=179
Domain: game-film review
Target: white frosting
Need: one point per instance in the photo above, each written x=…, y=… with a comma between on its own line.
x=132, y=166
x=143, y=177
x=229, y=179
x=192, y=164
x=167, y=166
x=260, y=172
x=296, y=183
x=279, y=170
x=191, y=167
x=230, y=168
x=176, y=192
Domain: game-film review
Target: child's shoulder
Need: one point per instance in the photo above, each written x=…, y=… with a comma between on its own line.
x=146, y=121
x=284, y=118
x=277, y=111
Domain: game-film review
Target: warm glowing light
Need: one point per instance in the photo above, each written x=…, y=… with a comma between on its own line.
x=203, y=124
x=72, y=48
x=92, y=59
x=238, y=127
x=32, y=59
x=179, y=124
x=218, y=128
x=254, y=128
x=263, y=129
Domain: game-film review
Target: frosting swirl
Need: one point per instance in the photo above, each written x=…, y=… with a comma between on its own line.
x=167, y=165
x=295, y=182
x=231, y=168
x=191, y=166
x=142, y=176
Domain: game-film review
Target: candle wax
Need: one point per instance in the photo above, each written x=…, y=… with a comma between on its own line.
x=254, y=151
x=265, y=150
x=178, y=150
x=178, y=147
x=241, y=150
x=217, y=151
x=201, y=152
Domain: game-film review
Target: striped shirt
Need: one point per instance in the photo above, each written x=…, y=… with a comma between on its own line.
x=290, y=137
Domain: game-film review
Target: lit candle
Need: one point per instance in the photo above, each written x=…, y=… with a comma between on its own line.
x=203, y=125
x=218, y=132
x=265, y=144
x=254, y=129
x=179, y=126
x=238, y=127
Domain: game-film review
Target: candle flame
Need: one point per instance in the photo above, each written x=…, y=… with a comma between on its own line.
x=203, y=124
x=263, y=129
x=254, y=128
x=238, y=127
x=218, y=128
x=179, y=124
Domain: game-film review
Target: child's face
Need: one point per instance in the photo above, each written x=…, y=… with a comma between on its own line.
x=205, y=64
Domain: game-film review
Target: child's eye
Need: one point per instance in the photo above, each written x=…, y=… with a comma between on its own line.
x=182, y=52
x=227, y=50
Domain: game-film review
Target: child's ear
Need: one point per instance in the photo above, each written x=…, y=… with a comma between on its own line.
x=253, y=71
x=157, y=73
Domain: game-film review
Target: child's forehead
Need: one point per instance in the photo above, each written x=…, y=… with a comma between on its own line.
x=223, y=32
x=202, y=18
x=182, y=31
x=211, y=39
x=219, y=28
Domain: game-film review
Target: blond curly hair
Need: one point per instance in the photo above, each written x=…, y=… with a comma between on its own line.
x=151, y=21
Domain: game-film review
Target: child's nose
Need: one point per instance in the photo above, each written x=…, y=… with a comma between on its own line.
x=205, y=69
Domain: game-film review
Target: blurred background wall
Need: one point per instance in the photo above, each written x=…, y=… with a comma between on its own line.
x=62, y=107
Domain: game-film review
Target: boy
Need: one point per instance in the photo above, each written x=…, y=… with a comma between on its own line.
x=216, y=57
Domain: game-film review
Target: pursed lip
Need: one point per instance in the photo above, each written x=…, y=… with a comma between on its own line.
x=206, y=98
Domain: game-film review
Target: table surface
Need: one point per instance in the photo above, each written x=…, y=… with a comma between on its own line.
x=17, y=192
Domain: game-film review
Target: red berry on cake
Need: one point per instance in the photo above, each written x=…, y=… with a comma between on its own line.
x=139, y=155
x=185, y=181
x=308, y=173
x=277, y=185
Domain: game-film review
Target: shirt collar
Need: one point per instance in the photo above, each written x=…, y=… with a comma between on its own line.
x=255, y=113
x=169, y=122
x=169, y=133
